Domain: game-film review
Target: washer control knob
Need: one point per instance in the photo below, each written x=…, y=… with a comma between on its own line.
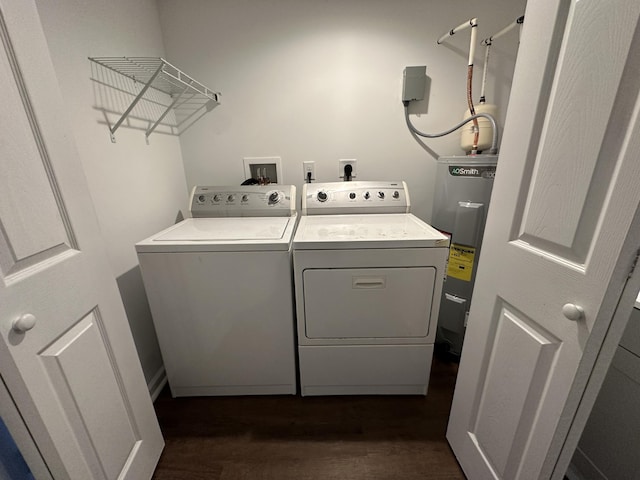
x=367, y=195
x=322, y=196
x=24, y=322
x=245, y=198
x=274, y=198
x=396, y=194
x=231, y=198
x=201, y=198
x=381, y=195
x=216, y=198
x=352, y=195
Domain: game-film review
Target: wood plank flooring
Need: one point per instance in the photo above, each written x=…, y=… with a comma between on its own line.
x=290, y=437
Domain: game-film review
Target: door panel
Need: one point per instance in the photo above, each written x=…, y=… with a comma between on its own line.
x=81, y=376
x=74, y=375
x=519, y=365
x=29, y=235
x=564, y=199
x=580, y=108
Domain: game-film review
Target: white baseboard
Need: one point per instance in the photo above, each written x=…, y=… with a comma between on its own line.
x=157, y=383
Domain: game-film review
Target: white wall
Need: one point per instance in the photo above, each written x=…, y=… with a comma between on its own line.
x=137, y=189
x=322, y=80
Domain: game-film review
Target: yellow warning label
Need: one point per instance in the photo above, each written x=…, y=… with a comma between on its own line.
x=461, y=262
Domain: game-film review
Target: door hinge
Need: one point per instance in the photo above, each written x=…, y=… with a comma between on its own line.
x=634, y=264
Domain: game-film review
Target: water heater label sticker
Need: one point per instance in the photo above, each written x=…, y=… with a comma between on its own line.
x=461, y=262
x=472, y=171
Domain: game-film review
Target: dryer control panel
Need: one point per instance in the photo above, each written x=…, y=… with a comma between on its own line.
x=355, y=198
x=243, y=201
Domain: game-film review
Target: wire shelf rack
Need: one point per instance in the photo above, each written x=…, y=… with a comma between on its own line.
x=188, y=96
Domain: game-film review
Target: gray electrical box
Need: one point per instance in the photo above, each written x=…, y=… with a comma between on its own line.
x=413, y=83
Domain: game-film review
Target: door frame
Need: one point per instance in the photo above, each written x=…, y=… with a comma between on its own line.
x=593, y=369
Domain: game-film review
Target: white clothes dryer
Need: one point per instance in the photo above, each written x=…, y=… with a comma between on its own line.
x=368, y=279
x=221, y=295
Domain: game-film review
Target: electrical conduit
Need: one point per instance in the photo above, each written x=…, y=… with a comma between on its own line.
x=494, y=127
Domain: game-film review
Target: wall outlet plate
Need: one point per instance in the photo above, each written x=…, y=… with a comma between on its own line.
x=263, y=167
x=309, y=167
x=347, y=161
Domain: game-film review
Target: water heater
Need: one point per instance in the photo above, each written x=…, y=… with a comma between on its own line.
x=462, y=194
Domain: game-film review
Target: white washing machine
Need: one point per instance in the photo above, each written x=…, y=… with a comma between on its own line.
x=368, y=279
x=221, y=295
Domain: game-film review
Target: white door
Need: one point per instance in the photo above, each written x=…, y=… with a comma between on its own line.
x=74, y=376
x=566, y=192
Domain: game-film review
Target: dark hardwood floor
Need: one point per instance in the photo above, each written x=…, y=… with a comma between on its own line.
x=290, y=437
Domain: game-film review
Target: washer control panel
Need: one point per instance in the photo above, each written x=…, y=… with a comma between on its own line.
x=354, y=198
x=244, y=201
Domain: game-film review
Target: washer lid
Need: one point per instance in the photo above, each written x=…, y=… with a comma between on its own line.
x=223, y=234
x=400, y=230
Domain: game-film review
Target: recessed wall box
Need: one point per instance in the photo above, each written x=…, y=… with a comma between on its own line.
x=413, y=83
x=266, y=169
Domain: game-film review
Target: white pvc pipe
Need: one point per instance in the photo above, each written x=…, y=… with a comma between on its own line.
x=472, y=41
x=473, y=22
x=484, y=72
x=507, y=29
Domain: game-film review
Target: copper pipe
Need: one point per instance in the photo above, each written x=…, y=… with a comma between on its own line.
x=472, y=110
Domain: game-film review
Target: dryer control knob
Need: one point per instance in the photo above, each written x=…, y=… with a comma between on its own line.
x=322, y=196
x=352, y=195
x=367, y=195
x=245, y=198
x=396, y=194
x=216, y=198
x=274, y=198
x=380, y=194
x=231, y=198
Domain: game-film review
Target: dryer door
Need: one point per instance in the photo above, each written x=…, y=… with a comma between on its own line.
x=368, y=302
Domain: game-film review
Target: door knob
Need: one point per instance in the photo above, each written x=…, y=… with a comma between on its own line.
x=23, y=323
x=573, y=312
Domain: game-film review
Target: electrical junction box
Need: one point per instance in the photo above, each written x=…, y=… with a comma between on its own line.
x=413, y=83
